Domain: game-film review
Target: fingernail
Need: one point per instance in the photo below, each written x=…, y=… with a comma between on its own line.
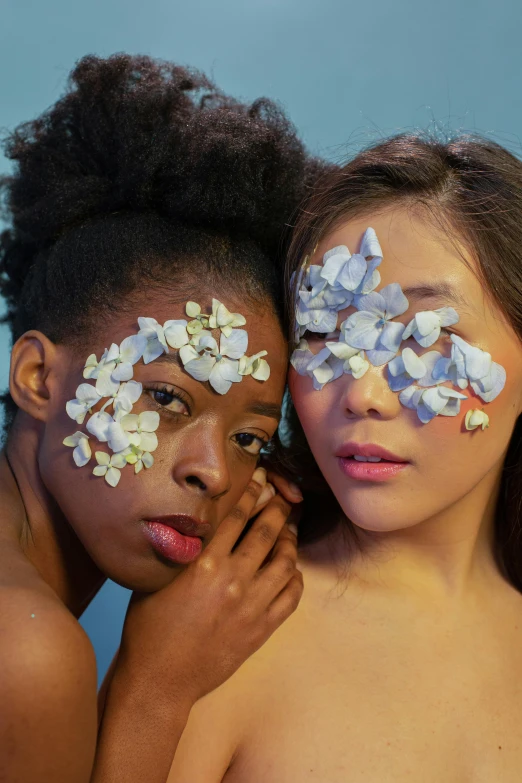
x=293, y=528
x=260, y=476
x=295, y=489
x=266, y=495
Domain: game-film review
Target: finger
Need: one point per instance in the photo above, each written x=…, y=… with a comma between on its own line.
x=286, y=602
x=278, y=569
x=253, y=550
x=232, y=526
x=264, y=498
x=286, y=488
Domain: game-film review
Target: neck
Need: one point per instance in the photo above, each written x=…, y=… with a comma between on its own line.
x=33, y=522
x=447, y=554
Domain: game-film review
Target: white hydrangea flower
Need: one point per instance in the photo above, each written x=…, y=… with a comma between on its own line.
x=124, y=397
x=219, y=366
x=200, y=320
x=175, y=333
x=141, y=429
x=139, y=458
x=223, y=319
x=255, y=366
x=110, y=467
x=82, y=449
x=426, y=325
x=431, y=402
x=156, y=341
x=86, y=398
x=476, y=418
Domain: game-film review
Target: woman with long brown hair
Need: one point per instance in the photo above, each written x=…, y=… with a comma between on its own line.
x=403, y=660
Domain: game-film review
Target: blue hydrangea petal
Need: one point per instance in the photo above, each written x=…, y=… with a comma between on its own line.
x=371, y=303
x=339, y=250
x=413, y=364
x=490, y=387
x=370, y=245
x=379, y=356
x=333, y=267
x=432, y=360
x=352, y=273
x=391, y=336
x=395, y=301
x=360, y=330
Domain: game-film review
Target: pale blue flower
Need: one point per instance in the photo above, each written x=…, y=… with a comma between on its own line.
x=353, y=273
x=408, y=368
x=469, y=363
x=372, y=328
x=437, y=400
x=426, y=325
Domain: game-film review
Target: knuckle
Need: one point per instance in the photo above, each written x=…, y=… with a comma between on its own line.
x=266, y=534
x=234, y=590
x=207, y=564
x=286, y=565
x=237, y=514
x=253, y=489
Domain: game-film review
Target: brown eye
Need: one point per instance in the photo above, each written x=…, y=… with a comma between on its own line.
x=169, y=400
x=252, y=444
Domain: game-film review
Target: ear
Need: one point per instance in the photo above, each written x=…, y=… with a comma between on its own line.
x=31, y=378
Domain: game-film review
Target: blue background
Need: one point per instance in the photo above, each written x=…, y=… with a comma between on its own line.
x=347, y=72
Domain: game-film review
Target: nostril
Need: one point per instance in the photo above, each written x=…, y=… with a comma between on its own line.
x=194, y=481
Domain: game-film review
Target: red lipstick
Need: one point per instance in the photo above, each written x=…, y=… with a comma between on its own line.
x=177, y=537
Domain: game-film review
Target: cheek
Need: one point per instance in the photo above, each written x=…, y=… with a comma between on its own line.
x=314, y=408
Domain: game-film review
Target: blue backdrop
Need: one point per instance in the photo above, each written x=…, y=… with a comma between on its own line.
x=347, y=72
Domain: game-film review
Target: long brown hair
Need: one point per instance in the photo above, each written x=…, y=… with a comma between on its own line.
x=473, y=188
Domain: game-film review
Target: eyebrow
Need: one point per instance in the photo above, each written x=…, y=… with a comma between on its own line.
x=437, y=291
x=270, y=409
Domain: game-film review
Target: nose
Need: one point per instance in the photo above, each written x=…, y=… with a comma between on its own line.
x=369, y=396
x=201, y=465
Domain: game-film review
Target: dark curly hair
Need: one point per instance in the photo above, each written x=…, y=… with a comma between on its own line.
x=144, y=172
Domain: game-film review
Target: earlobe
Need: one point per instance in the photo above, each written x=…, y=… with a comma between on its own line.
x=32, y=360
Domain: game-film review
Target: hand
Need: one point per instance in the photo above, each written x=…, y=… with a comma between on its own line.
x=278, y=483
x=188, y=638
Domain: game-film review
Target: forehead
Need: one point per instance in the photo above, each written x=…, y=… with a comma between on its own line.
x=433, y=268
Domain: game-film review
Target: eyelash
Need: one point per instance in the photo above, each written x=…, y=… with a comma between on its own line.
x=180, y=397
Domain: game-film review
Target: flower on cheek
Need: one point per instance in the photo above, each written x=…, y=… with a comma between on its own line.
x=372, y=329
x=109, y=467
x=471, y=364
x=139, y=458
x=438, y=400
x=86, y=398
x=426, y=325
x=82, y=450
x=321, y=367
x=141, y=429
x=219, y=366
x=354, y=361
x=476, y=418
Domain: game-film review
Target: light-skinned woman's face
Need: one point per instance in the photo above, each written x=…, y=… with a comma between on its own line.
x=208, y=443
x=446, y=462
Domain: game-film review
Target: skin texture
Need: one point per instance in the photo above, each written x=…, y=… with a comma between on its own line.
x=403, y=659
x=63, y=531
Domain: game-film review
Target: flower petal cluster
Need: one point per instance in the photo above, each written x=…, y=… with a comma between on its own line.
x=109, y=466
x=255, y=366
x=408, y=368
x=205, y=361
x=371, y=328
x=82, y=449
x=469, y=364
x=426, y=325
x=437, y=400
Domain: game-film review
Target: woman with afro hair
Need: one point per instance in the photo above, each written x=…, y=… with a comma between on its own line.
x=141, y=271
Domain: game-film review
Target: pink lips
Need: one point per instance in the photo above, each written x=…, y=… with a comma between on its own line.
x=177, y=537
x=369, y=471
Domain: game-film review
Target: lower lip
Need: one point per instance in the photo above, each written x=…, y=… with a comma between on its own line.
x=371, y=471
x=172, y=544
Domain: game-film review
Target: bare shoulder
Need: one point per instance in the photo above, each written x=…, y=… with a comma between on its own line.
x=47, y=686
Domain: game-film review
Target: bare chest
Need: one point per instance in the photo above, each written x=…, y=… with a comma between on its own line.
x=389, y=709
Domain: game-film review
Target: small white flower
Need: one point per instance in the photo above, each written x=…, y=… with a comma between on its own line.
x=476, y=418
x=141, y=429
x=219, y=366
x=139, y=458
x=82, y=450
x=255, y=366
x=426, y=325
x=176, y=333
x=123, y=397
x=156, y=341
x=223, y=319
x=86, y=398
x=116, y=364
x=109, y=467
x=200, y=320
